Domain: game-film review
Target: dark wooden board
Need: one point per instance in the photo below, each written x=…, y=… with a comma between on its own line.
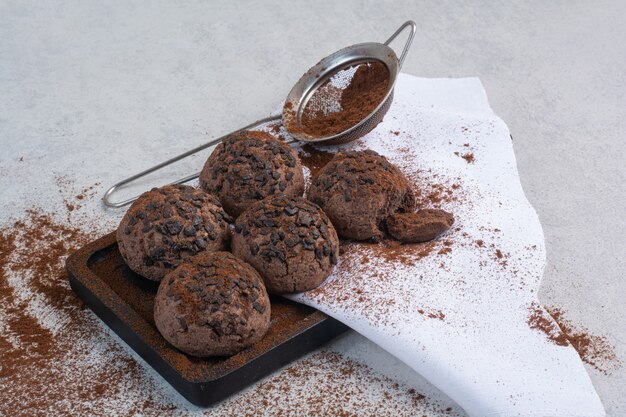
x=124, y=301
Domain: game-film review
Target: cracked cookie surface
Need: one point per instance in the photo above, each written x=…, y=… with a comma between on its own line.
x=168, y=225
x=358, y=190
x=249, y=166
x=290, y=241
x=214, y=305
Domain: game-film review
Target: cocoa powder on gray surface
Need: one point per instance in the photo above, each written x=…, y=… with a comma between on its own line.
x=594, y=350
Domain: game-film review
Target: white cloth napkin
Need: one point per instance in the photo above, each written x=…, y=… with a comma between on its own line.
x=460, y=319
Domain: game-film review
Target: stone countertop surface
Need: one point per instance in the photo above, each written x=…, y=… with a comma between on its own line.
x=95, y=91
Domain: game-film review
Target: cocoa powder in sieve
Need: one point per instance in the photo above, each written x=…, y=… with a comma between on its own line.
x=362, y=95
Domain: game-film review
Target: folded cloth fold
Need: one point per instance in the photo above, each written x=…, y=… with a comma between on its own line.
x=461, y=310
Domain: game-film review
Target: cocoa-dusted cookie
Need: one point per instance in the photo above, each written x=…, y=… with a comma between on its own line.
x=168, y=225
x=213, y=305
x=247, y=167
x=358, y=190
x=289, y=240
x=422, y=226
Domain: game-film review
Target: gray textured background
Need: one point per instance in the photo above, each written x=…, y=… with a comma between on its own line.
x=136, y=74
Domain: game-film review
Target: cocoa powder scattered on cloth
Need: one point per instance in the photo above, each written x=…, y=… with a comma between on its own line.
x=377, y=260
x=381, y=262
x=432, y=314
x=333, y=110
x=469, y=157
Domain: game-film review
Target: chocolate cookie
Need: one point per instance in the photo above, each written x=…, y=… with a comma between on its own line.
x=290, y=241
x=168, y=225
x=422, y=226
x=214, y=305
x=247, y=167
x=358, y=191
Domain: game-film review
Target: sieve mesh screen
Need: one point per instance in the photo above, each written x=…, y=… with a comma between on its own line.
x=344, y=99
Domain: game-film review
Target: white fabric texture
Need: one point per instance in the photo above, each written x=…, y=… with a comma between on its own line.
x=460, y=319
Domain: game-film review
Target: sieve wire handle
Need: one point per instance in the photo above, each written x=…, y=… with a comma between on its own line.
x=106, y=199
x=107, y=195
x=409, y=41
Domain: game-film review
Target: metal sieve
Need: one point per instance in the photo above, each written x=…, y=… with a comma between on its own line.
x=336, y=68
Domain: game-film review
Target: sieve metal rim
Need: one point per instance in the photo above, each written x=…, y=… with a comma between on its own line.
x=317, y=75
